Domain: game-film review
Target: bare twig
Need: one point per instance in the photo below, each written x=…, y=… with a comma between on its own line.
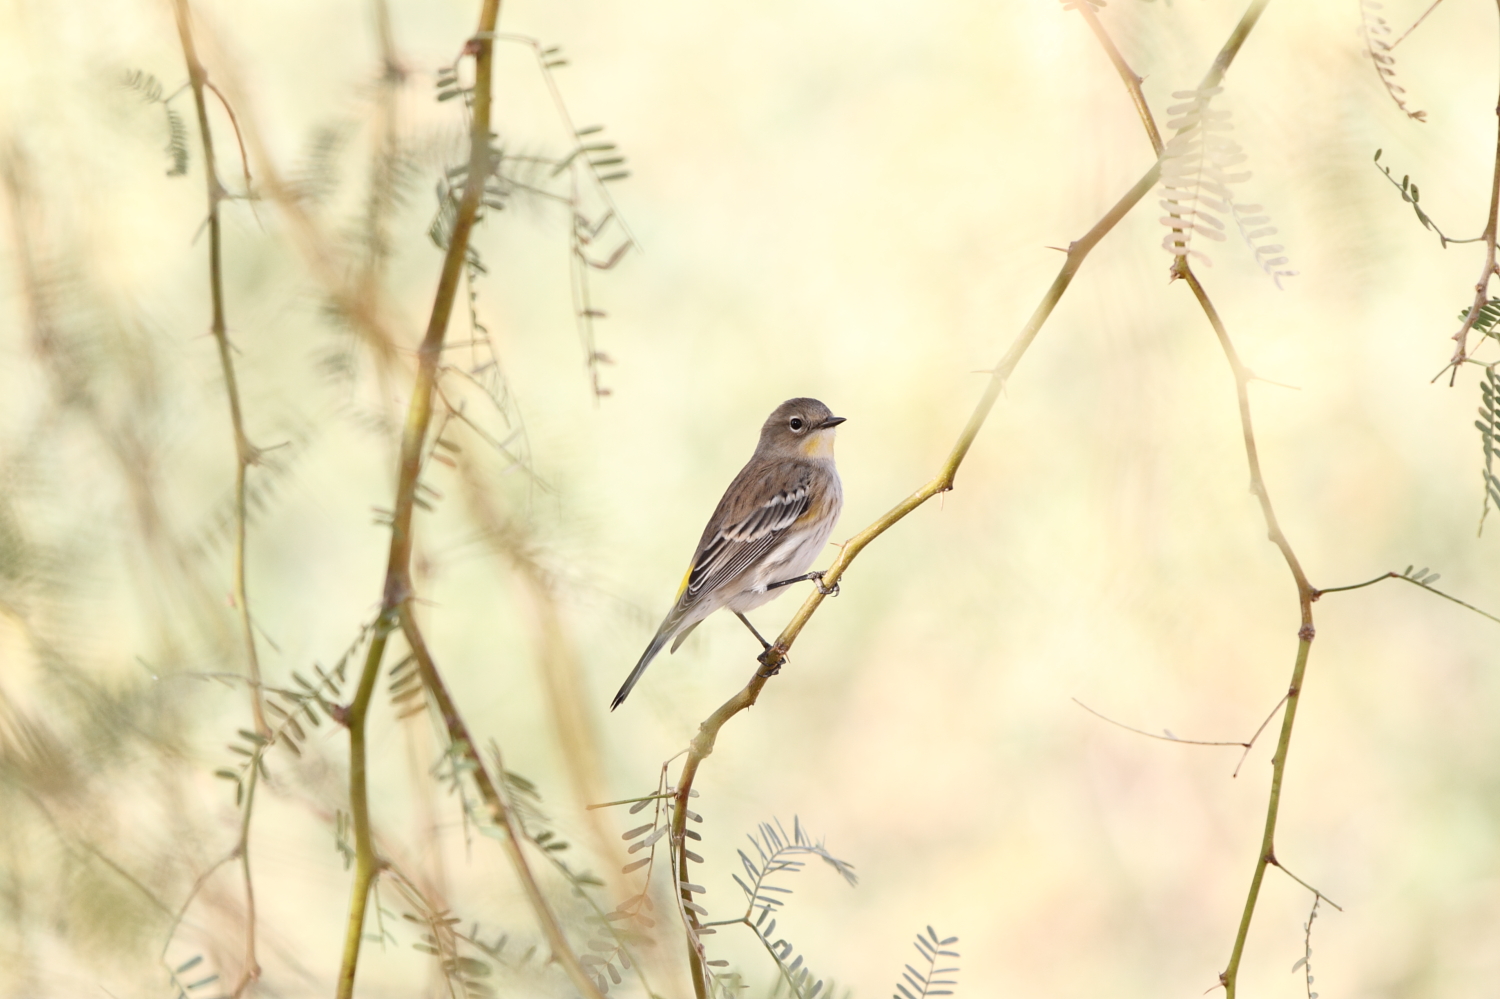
x=1127, y=75
x=1316, y=893
x=1417, y=23
x=1247, y=746
x=1415, y=582
x=1305, y=596
x=1482, y=286
x=246, y=454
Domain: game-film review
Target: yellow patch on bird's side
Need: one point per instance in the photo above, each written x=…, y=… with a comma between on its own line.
x=683, y=588
x=819, y=445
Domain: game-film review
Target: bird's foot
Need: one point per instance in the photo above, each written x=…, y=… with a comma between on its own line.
x=771, y=660
x=817, y=579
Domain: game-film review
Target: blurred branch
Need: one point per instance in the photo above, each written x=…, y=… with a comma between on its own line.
x=246, y=454
x=1482, y=286
x=500, y=814
x=321, y=250
x=561, y=672
x=383, y=194
x=1127, y=75
x=49, y=287
x=397, y=590
x=773, y=658
x=1415, y=24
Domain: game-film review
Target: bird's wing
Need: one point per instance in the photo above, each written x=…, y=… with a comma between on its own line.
x=729, y=548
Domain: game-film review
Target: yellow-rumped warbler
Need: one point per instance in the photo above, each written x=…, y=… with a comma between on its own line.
x=772, y=523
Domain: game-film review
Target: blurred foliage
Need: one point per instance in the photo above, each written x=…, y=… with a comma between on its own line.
x=847, y=203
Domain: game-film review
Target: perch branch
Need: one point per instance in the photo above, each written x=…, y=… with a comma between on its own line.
x=773, y=658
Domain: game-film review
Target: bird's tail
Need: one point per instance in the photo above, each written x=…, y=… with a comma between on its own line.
x=663, y=636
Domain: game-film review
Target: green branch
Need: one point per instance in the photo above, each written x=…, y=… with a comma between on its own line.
x=397, y=589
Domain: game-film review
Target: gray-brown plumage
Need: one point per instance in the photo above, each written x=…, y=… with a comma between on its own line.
x=770, y=526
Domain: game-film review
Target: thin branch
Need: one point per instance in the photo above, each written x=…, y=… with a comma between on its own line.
x=238, y=137
x=1127, y=75
x=1411, y=194
x=1481, y=287
x=1414, y=26
x=1316, y=893
x=1306, y=594
x=246, y=454
x=1256, y=736
x=1359, y=586
x=1163, y=738
x=1195, y=742
x=773, y=658
x=1415, y=582
x=631, y=801
x=1229, y=977
x=500, y=814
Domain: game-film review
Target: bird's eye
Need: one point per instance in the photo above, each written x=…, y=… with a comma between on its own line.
x=796, y=423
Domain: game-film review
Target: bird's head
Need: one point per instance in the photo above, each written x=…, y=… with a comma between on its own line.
x=800, y=428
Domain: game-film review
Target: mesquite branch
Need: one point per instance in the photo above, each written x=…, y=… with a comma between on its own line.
x=703, y=743
x=397, y=589
x=246, y=454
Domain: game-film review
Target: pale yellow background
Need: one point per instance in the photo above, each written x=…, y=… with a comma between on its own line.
x=853, y=201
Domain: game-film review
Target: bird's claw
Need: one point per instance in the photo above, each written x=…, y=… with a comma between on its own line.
x=827, y=591
x=772, y=660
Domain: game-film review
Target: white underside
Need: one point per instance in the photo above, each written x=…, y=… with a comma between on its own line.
x=792, y=557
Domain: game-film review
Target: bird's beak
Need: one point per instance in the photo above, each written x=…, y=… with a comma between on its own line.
x=832, y=421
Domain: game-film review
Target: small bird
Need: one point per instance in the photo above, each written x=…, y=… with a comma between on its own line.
x=772, y=523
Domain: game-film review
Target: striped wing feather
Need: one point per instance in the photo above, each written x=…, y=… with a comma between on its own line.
x=735, y=547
